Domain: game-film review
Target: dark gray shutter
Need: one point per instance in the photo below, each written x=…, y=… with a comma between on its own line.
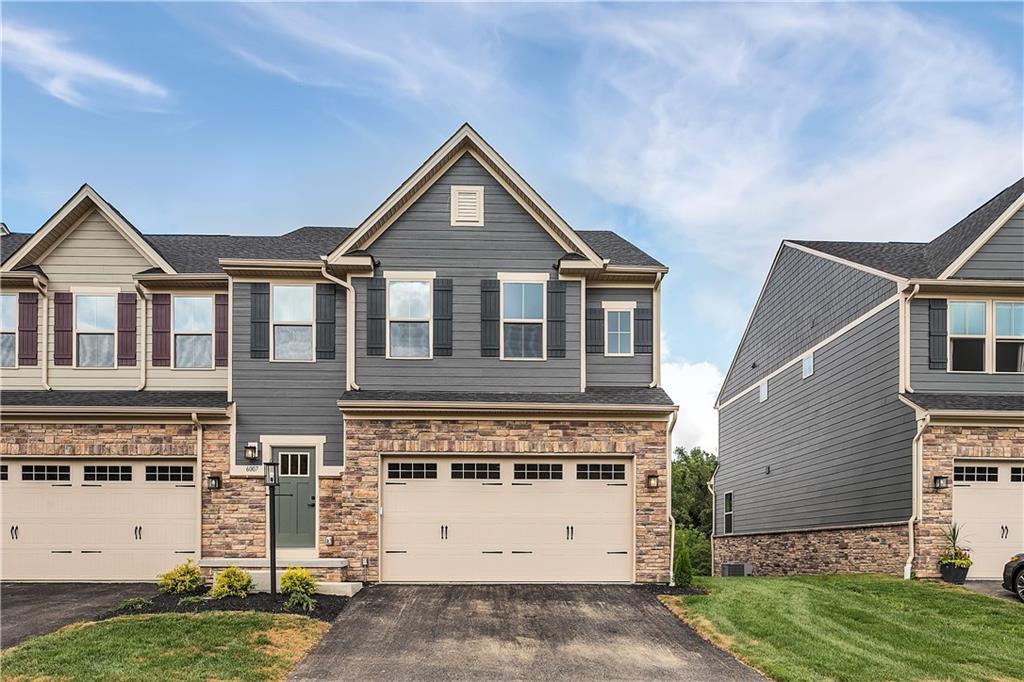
x=325, y=337
x=595, y=330
x=161, y=330
x=490, y=318
x=259, y=320
x=937, y=333
x=63, y=326
x=376, y=315
x=556, y=319
x=220, y=330
x=28, y=328
x=127, y=315
x=643, y=331
x=442, y=317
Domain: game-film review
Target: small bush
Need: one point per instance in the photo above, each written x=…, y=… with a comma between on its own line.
x=300, y=600
x=298, y=580
x=182, y=579
x=134, y=604
x=699, y=547
x=682, y=570
x=192, y=600
x=231, y=582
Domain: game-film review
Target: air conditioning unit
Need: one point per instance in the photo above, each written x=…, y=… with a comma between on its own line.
x=737, y=569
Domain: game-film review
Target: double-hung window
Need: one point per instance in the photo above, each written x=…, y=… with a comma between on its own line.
x=409, y=314
x=95, y=329
x=522, y=319
x=293, y=318
x=9, y=330
x=618, y=326
x=967, y=335
x=1009, y=337
x=727, y=506
x=193, y=332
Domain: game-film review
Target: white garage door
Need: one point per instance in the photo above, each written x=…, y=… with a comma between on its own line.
x=479, y=519
x=96, y=519
x=988, y=503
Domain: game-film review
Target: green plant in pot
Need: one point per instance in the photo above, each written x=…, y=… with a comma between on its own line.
x=954, y=564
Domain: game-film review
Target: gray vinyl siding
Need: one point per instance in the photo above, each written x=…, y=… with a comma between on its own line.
x=509, y=241
x=286, y=398
x=839, y=443
x=619, y=371
x=1002, y=256
x=807, y=299
x=925, y=380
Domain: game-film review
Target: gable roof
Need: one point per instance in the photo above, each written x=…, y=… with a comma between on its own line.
x=616, y=250
x=465, y=140
x=932, y=259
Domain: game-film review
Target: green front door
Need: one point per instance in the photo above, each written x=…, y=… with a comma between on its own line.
x=296, y=504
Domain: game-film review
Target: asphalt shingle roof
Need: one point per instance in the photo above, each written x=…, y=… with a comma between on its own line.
x=609, y=245
x=188, y=399
x=965, y=401
x=592, y=396
x=10, y=243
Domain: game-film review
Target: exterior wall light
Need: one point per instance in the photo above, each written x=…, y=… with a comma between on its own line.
x=251, y=450
x=940, y=482
x=652, y=481
x=213, y=481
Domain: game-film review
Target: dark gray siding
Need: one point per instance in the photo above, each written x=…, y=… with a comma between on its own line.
x=604, y=371
x=510, y=241
x=928, y=380
x=806, y=300
x=839, y=443
x=289, y=398
x=1002, y=256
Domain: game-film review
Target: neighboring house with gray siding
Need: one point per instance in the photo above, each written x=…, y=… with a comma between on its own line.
x=877, y=394
x=461, y=388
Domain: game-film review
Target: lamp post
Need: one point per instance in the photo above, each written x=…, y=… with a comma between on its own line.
x=271, y=481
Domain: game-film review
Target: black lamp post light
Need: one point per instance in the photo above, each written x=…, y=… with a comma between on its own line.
x=271, y=480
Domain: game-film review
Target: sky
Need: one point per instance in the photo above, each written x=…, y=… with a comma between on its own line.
x=704, y=133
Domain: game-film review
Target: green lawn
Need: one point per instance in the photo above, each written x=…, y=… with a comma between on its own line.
x=859, y=628
x=170, y=646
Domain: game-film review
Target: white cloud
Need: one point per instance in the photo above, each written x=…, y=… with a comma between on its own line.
x=70, y=75
x=693, y=386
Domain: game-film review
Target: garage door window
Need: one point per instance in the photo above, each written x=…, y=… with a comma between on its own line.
x=540, y=472
x=106, y=472
x=161, y=472
x=412, y=470
x=476, y=470
x=3, y=472
x=45, y=472
x=967, y=474
x=1016, y=475
x=601, y=472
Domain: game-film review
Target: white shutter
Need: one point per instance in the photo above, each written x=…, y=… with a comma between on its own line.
x=467, y=205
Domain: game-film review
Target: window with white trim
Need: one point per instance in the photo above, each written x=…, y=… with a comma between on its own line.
x=9, y=330
x=294, y=463
x=1009, y=337
x=728, y=512
x=523, y=320
x=95, y=330
x=293, y=319
x=409, y=318
x=1016, y=474
x=967, y=336
x=192, y=326
x=618, y=328
x=808, y=366
x=467, y=205
x=762, y=391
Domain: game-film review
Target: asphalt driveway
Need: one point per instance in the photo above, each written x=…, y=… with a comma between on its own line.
x=513, y=632
x=31, y=609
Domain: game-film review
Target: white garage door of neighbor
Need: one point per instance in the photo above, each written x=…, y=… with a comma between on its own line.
x=988, y=505
x=76, y=519
x=480, y=519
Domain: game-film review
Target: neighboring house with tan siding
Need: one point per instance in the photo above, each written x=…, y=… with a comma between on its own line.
x=877, y=396
x=460, y=388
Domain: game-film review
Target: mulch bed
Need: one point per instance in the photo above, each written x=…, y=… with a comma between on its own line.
x=328, y=606
x=665, y=589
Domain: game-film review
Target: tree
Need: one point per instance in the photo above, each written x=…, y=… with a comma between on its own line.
x=691, y=500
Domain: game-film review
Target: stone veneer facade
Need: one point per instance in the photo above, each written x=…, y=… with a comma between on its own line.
x=940, y=445
x=97, y=440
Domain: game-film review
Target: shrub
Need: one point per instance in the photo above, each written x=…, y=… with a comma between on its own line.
x=682, y=570
x=134, y=604
x=231, y=582
x=300, y=600
x=182, y=579
x=192, y=600
x=298, y=580
x=699, y=547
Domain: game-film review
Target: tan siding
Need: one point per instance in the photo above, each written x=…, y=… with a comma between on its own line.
x=168, y=379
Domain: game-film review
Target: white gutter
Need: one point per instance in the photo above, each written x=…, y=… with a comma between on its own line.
x=711, y=489
x=144, y=360
x=350, y=326
x=672, y=519
x=656, y=355
x=44, y=376
x=917, y=503
x=199, y=436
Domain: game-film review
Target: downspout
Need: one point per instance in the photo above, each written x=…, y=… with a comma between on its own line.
x=905, y=352
x=671, y=518
x=44, y=376
x=145, y=358
x=916, y=491
x=199, y=436
x=583, y=334
x=350, y=327
x=656, y=355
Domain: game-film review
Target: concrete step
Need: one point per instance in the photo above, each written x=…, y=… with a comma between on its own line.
x=261, y=583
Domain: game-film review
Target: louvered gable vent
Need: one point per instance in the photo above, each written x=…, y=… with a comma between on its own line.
x=467, y=205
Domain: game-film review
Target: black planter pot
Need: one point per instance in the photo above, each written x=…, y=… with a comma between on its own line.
x=953, y=574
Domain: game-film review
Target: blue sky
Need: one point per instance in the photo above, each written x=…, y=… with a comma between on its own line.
x=705, y=133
